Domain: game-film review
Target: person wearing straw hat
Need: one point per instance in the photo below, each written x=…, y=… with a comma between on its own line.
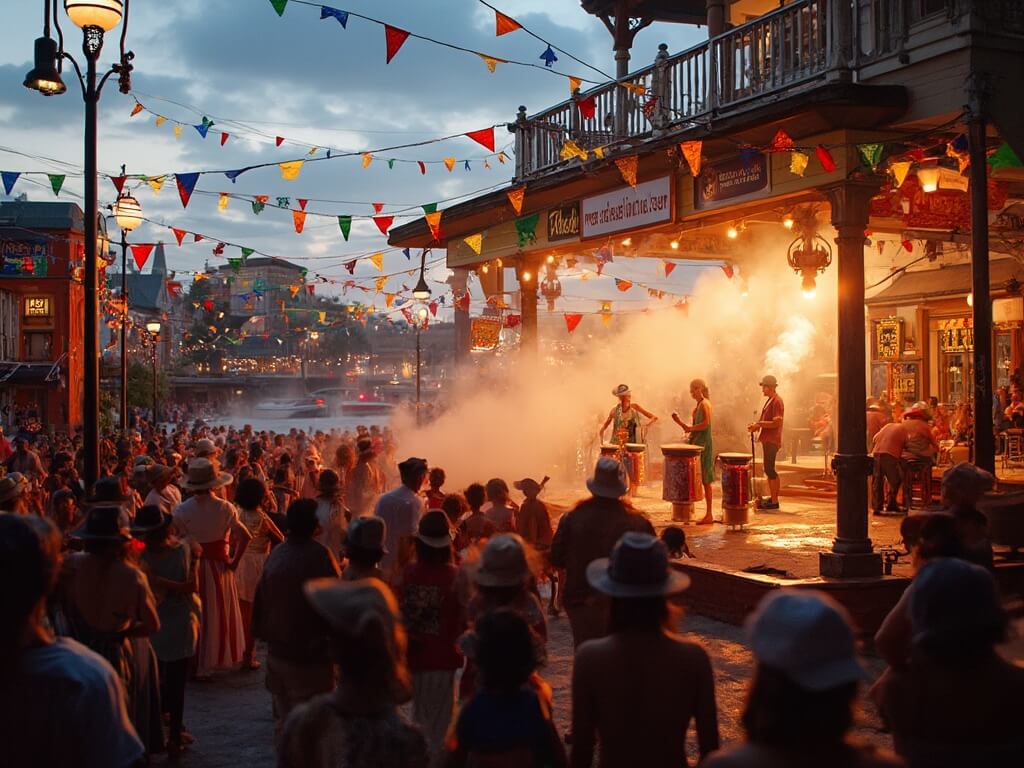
x=163, y=492
x=213, y=524
x=641, y=652
x=769, y=429
x=359, y=724
x=13, y=487
x=625, y=418
x=587, y=532
x=800, y=706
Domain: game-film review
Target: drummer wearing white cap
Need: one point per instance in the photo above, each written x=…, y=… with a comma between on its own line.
x=770, y=427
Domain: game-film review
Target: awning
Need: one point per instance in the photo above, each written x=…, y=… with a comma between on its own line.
x=18, y=374
x=954, y=280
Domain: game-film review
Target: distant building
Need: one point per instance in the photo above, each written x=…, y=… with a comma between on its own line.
x=148, y=300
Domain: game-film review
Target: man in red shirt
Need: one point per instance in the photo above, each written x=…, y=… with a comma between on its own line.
x=770, y=427
x=887, y=448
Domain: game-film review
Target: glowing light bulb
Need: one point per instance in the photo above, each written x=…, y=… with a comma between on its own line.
x=527, y=276
x=627, y=241
x=808, y=287
x=499, y=263
x=674, y=245
x=732, y=233
x=970, y=299
x=787, y=222
x=929, y=178
x=485, y=269
x=809, y=293
x=551, y=259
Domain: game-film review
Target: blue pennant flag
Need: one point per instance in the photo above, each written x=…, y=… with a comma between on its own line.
x=549, y=57
x=326, y=12
x=466, y=166
x=233, y=175
x=9, y=177
x=204, y=127
x=408, y=256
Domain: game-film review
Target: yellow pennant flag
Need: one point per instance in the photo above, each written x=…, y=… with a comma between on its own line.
x=294, y=290
x=222, y=201
x=323, y=316
x=160, y=120
x=899, y=172
x=574, y=84
x=290, y=170
x=598, y=152
x=367, y=159
x=502, y=157
x=449, y=163
x=571, y=149
x=491, y=62
x=515, y=197
x=627, y=167
x=692, y=152
x=635, y=88
x=156, y=183
x=389, y=299
x=313, y=151
x=378, y=261
x=177, y=131
x=798, y=163
x=379, y=283
x=434, y=222
x=476, y=242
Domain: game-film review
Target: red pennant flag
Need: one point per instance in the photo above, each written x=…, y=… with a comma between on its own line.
x=378, y=207
x=782, y=142
x=433, y=308
x=179, y=234
x=484, y=137
x=118, y=182
x=310, y=289
x=623, y=285
x=571, y=321
x=351, y=266
x=463, y=302
x=278, y=140
x=504, y=24
x=196, y=238
x=383, y=222
x=825, y=158
x=729, y=272
x=141, y=254
x=669, y=267
x=587, y=107
x=208, y=305
x=423, y=167
x=302, y=203
x=224, y=138
x=394, y=38
x=907, y=246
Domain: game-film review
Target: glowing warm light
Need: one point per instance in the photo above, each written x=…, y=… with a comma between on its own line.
x=808, y=287
x=423, y=313
x=970, y=299
x=485, y=269
x=499, y=263
x=127, y=213
x=551, y=259
x=628, y=241
x=929, y=178
x=153, y=326
x=787, y=222
x=105, y=14
x=674, y=245
x=732, y=233
x=314, y=335
x=527, y=276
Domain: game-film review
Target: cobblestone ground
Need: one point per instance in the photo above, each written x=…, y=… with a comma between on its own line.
x=231, y=719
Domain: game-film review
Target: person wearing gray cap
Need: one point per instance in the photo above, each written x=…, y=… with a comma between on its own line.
x=799, y=710
x=769, y=429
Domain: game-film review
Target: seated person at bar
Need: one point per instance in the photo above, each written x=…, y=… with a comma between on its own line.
x=1014, y=412
x=921, y=444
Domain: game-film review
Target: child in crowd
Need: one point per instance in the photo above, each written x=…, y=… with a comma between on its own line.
x=434, y=622
x=454, y=506
x=534, y=525
x=364, y=547
x=477, y=525
x=434, y=494
x=501, y=512
x=508, y=721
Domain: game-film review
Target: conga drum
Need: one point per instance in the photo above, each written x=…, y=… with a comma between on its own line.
x=737, y=490
x=610, y=450
x=636, y=454
x=681, y=483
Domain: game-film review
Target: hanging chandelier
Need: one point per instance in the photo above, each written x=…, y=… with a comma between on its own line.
x=809, y=254
x=551, y=288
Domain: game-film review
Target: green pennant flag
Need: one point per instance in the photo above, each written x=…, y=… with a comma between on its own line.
x=345, y=224
x=258, y=206
x=235, y=263
x=279, y=6
x=246, y=253
x=284, y=202
x=430, y=208
x=1004, y=157
x=391, y=164
x=526, y=229
x=303, y=272
x=872, y=154
x=56, y=181
x=230, y=280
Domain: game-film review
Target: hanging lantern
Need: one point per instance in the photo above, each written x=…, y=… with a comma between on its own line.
x=810, y=254
x=551, y=288
x=928, y=176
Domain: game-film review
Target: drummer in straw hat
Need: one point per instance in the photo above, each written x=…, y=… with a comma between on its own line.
x=625, y=421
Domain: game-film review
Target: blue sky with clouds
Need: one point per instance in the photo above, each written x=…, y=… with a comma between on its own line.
x=258, y=76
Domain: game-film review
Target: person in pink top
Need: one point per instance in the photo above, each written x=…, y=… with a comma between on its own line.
x=769, y=425
x=876, y=419
x=887, y=448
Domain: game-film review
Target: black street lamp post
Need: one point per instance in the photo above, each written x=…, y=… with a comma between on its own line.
x=94, y=17
x=153, y=328
x=421, y=293
x=128, y=214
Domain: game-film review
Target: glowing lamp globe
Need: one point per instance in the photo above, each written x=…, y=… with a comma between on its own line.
x=45, y=76
x=153, y=326
x=127, y=213
x=422, y=313
x=422, y=291
x=105, y=14
x=929, y=178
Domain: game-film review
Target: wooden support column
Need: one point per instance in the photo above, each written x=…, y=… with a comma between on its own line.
x=526, y=274
x=716, y=17
x=852, y=554
x=984, y=437
x=459, y=284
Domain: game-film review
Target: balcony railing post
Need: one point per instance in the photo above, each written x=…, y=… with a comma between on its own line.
x=518, y=128
x=661, y=86
x=839, y=21
x=575, y=117
x=713, y=85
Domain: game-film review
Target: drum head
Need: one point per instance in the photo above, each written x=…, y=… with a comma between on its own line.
x=636, y=447
x=735, y=458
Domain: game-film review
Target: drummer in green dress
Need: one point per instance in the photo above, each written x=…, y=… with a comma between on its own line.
x=699, y=433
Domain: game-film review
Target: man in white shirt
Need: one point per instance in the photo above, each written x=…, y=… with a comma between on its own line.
x=400, y=510
x=163, y=492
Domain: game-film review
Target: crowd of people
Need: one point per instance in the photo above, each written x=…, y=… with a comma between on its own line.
x=373, y=587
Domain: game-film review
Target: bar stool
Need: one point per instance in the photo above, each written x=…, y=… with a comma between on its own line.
x=1014, y=446
x=916, y=472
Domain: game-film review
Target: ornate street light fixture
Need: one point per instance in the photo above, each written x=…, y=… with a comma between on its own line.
x=550, y=287
x=810, y=254
x=422, y=291
x=153, y=326
x=128, y=215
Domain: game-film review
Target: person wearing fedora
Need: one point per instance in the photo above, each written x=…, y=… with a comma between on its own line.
x=640, y=653
x=163, y=492
x=625, y=418
x=13, y=487
x=358, y=725
x=364, y=547
x=587, y=532
x=533, y=523
x=213, y=524
x=173, y=573
x=799, y=708
x=107, y=604
x=434, y=620
x=769, y=429
x=61, y=704
x=400, y=510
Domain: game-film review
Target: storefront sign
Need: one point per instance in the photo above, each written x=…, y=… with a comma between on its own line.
x=564, y=222
x=904, y=382
x=888, y=339
x=24, y=258
x=956, y=335
x=627, y=208
x=485, y=333
x=728, y=180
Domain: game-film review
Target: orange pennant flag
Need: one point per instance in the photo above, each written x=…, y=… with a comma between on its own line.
x=367, y=159
x=434, y=222
x=294, y=290
x=574, y=84
x=504, y=24
x=290, y=171
x=627, y=167
x=691, y=151
x=379, y=283
x=516, y=197
x=136, y=109
x=449, y=163
x=378, y=261
x=389, y=299
x=299, y=220
x=491, y=62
